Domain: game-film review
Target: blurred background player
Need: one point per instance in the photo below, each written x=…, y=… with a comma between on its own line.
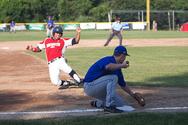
x=54, y=48
x=49, y=27
x=154, y=26
x=12, y=26
x=117, y=29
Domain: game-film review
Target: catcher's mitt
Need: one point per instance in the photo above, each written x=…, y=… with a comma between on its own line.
x=139, y=98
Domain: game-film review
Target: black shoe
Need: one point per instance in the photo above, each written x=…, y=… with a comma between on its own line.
x=93, y=104
x=112, y=109
x=73, y=82
x=65, y=85
x=105, y=45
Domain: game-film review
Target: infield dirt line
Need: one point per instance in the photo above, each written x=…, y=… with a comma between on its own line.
x=21, y=45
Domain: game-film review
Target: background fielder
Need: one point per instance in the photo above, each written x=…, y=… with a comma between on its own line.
x=12, y=27
x=117, y=28
x=54, y=49
x=49, y=27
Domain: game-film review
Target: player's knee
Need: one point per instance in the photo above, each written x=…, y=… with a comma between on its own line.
x=114, y=79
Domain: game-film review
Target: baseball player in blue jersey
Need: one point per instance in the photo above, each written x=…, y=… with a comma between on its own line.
x=117, y=28
x=49, y=27
x=101, y=80
x=12, y=26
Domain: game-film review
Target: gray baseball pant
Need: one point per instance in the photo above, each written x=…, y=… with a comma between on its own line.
x=104, y=90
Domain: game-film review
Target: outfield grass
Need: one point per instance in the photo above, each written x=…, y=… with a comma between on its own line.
x=124, y=119
x=149, y=66
x=92, y=34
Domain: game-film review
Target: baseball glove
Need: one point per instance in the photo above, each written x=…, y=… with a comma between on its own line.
x=28, y=47
x=139, y=98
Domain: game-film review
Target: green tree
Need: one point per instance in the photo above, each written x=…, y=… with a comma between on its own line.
x=27, y=11
x=74, y=10
x=100, y=12
x=83, y=10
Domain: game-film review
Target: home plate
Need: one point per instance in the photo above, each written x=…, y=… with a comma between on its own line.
x=126, y=108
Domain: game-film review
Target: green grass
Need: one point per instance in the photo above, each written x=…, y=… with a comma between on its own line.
x=92, y=34
x=22, y=36
x=124, y=119
x=149, y=66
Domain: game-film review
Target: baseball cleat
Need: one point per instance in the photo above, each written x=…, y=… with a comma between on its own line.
x=65, y=85
x=93, y=103
x=112, y=109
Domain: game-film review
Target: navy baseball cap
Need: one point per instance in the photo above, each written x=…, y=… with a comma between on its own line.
x=120, y=50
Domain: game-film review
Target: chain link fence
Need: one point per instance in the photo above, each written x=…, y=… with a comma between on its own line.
x=165, y=19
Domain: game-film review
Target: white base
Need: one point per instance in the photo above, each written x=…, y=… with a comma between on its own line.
x=126, y=108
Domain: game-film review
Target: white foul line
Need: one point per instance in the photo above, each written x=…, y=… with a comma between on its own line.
x=167, y=108
x=82, y=111
x=52, y=112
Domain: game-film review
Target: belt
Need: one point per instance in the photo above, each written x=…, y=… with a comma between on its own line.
x=54, y=60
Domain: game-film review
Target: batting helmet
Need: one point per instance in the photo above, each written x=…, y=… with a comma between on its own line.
x=57, y=29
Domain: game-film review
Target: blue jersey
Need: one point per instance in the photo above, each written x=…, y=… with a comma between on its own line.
x=12, y=24
x=98, y=70
x=50, y=23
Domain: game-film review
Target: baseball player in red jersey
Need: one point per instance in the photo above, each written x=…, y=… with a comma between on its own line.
x=54, y=49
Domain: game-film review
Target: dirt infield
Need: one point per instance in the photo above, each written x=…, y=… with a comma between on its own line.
x=25, y=84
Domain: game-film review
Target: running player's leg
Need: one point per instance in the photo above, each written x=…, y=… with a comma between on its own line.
x=67, y=69
x=54, y=74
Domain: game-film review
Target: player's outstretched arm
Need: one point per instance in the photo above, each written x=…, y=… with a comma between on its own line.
x=137, y=96
x=128, y=90
x=77, y=37
x=33, y=49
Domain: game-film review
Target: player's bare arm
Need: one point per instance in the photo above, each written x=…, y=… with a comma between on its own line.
x=77, y=37
x=113, y=66
x=128, y=90
x=137, y=96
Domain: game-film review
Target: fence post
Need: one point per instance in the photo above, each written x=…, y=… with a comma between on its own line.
x=169, y=22
x=173, y=22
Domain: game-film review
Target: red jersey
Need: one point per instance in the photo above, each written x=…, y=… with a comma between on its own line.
x=54, y=48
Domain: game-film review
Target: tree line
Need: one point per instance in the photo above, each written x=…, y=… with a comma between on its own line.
x=28, y=11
